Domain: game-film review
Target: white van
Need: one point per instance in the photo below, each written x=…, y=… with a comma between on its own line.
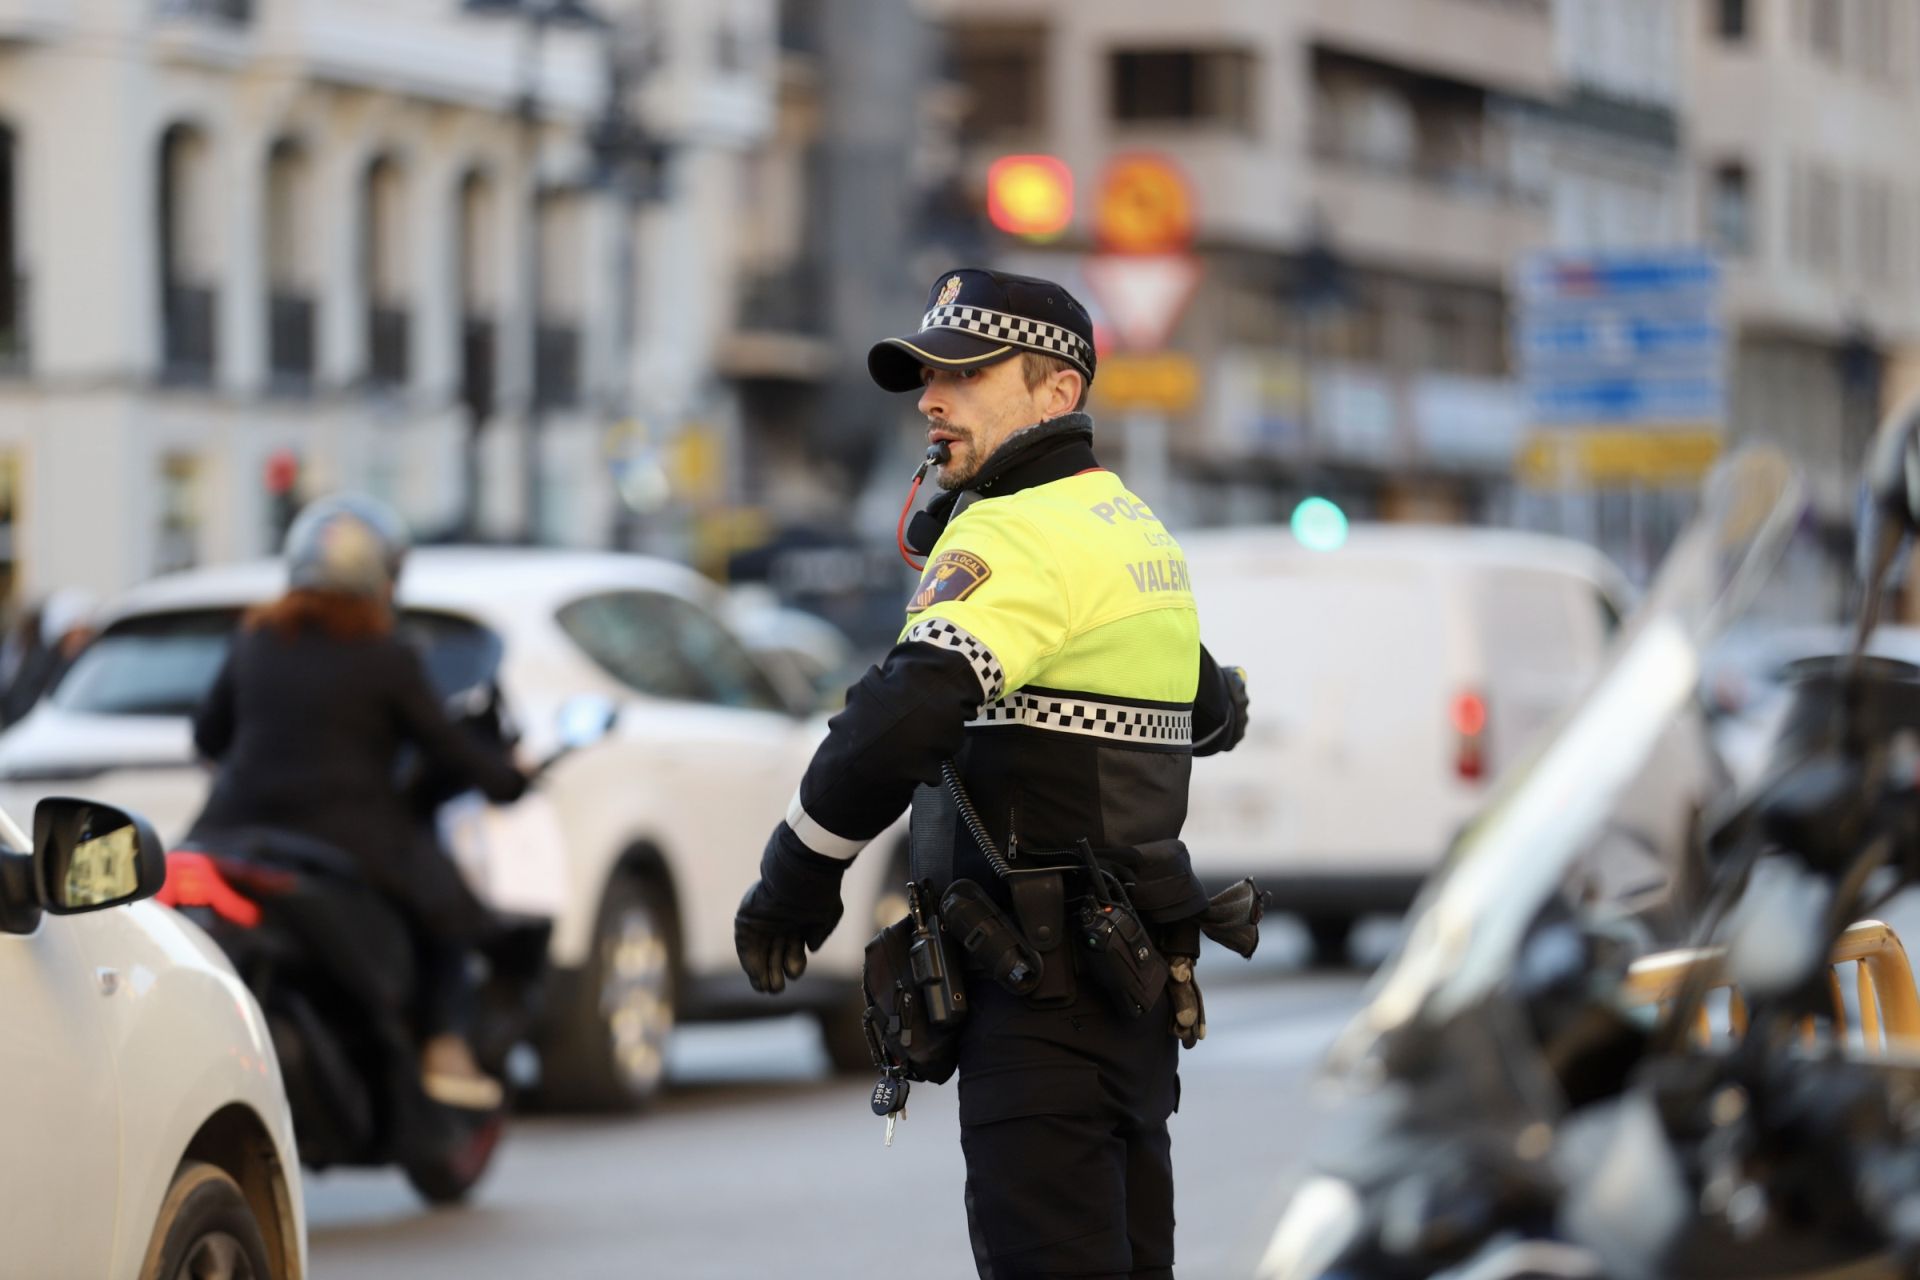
x=1392, y=679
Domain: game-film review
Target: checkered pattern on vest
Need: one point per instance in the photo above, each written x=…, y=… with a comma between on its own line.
x=1088, y=716
x=998, y=326
x=944, y=634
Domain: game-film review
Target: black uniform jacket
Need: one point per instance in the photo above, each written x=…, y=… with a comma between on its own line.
x=933, y=698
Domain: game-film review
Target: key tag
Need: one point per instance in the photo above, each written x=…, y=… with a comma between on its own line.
x=889, y=1095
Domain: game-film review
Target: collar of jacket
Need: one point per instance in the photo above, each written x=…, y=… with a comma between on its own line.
x=1040, y=454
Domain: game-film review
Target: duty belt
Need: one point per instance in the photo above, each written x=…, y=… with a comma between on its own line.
x=1038, y=890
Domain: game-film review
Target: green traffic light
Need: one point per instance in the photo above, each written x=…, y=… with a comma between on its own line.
x=1319, y=525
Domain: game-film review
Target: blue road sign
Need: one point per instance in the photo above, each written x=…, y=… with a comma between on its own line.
x=1621, y=338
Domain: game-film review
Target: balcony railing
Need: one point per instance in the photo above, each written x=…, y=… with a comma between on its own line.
x=556, y=365
x=387, y=342
x=1464, y=177
x=187, y=318
x=785, y=300
x=290, y=342
x=238, y=12
x=477, y=337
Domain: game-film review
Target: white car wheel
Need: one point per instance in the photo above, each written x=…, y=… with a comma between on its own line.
x=636, y=995
x=606, y=1049
x=206, y=1231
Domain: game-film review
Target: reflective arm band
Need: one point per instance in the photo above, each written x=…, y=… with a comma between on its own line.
x=818, y=838
x=942, y=634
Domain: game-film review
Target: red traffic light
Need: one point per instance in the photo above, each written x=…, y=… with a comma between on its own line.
x=282, y=471
x=1030, y=196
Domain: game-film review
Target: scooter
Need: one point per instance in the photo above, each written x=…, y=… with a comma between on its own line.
x=1543, y=1094
x=332, y=964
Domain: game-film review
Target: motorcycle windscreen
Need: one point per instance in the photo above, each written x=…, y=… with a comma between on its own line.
x=514, y=857
x=1548, y=818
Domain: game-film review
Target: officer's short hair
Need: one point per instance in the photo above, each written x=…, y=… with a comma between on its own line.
x=1036, y=369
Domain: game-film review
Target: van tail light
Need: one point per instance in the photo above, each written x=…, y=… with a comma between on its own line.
x=196, y=879
x=1469, y=717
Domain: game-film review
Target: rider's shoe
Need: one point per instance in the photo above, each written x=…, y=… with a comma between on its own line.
x=452, y=1078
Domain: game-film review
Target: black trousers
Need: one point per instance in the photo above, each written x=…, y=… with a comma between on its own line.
x=1063, y=1121
x=447, y=922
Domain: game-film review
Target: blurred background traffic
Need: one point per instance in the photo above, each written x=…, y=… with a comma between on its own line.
x=600, y=274
x=597, y=276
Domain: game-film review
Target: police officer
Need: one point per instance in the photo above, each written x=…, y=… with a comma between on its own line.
x=1052, y=653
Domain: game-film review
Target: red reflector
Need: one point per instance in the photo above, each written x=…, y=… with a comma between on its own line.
x=193, y=880
x=1470, y=764
x=1470, y=715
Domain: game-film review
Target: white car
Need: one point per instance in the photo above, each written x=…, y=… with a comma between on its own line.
x=811, y=659
x=1391, y=681
x=661, y=824
x=144, y=1134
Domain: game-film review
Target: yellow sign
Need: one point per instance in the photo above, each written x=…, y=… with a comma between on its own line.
x=1168, y=383
x=1615, y=455
x=695, y=462
x=719, y=532
x=1145, y=206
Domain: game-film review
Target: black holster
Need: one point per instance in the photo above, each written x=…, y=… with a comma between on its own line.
x=1040, y=905
x=916, y=997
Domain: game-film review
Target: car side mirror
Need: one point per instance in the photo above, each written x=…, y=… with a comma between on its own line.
x=89, y=856
x=586, y=718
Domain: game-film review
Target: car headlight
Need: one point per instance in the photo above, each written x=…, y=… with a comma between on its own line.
x=1320, y=1221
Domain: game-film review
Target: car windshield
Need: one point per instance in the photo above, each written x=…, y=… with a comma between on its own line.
x=161, y=664
x=1550, y=819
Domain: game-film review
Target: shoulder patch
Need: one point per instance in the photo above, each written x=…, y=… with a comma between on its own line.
x=953, y=575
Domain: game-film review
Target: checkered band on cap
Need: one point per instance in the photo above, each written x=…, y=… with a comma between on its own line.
x=945, y=635
x=1154, y=726
x=999, y=326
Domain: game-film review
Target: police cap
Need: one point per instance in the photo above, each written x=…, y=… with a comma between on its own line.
x=976, y=318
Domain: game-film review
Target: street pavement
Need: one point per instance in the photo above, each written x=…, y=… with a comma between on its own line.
x=760, y=1162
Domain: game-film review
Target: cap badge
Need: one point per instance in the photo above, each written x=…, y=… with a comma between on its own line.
x=949, y=291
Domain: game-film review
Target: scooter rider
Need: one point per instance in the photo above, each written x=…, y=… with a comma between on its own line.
x=1052, y=654
x=307, y=721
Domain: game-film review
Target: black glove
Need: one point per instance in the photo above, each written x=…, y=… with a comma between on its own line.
x=1226, y=735
x=1187, y=1010
x=1236, y=681
x=788, y=912
x=1233, y=916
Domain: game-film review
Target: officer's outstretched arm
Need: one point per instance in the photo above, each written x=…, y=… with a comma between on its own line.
x=902, y=719
x=1219, y=707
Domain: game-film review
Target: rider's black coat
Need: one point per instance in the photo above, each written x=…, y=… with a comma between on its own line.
x=309, y=730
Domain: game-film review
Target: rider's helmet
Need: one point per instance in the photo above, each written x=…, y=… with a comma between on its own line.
x=347, y=542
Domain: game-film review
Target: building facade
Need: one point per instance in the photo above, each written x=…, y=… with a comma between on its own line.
x=1801, y=115
x=1366, y=173
x=396, y=246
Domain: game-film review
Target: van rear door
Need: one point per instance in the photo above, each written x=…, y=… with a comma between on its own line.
x=1542, y=638
x=1353, y=662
